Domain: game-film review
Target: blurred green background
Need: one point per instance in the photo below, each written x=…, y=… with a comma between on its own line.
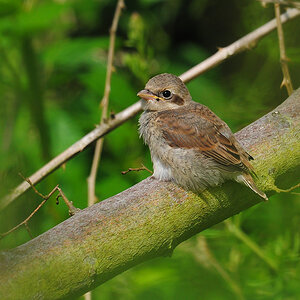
x=53, y=56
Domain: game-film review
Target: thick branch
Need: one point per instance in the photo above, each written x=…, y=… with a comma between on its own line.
x=148, y=220
x=233, y=49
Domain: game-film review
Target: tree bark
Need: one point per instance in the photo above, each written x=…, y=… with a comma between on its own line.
x=148, y=220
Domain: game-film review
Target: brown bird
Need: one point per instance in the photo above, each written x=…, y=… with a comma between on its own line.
x=188, y=143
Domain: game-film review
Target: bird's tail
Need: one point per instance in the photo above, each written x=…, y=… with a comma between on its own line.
x=248, y=181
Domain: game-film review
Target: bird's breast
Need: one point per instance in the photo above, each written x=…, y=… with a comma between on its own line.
x=147, y=128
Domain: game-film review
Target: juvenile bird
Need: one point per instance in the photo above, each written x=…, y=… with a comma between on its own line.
x=188, y=143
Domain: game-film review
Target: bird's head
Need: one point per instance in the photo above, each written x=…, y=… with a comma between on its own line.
x=163, y=92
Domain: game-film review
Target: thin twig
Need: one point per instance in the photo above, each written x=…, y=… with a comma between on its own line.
x=45, y=198
x=104, y=103
x=282, y=2
x=143, y=168
x=36, y=191
x=91, y=180
x=72, y=209
x=131, y=111
x=287, y=82
x=76, y=148
x=251, y=244
x=245, y=43
x=289, y=190
x=2, y=235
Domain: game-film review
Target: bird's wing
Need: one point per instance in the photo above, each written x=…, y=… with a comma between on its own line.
x=201, y=130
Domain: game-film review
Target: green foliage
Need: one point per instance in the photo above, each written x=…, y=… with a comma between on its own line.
x=140, y=62
x=69, y=41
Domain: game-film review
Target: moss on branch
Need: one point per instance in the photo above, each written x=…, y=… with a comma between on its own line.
x=148, y=220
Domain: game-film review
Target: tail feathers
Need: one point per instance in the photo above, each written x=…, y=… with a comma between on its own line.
x=248, y=181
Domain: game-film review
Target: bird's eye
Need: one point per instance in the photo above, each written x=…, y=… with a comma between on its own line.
x=166, y=94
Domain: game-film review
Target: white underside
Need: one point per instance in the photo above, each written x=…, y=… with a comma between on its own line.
x=161, y=171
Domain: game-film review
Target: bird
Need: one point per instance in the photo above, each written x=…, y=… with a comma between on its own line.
x=189, y=144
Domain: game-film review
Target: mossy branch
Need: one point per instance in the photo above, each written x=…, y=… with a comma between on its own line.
x=148, y=220
x=242, y=44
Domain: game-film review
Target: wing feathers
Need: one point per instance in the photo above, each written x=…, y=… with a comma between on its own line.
x=192, y=129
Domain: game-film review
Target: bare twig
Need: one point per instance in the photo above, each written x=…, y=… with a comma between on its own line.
x=72, y=209
x=289, y=190
x=104, y=103
x=77, y=147
x=146, y=221
x=282, y=2
x=131, y=111
x=251, y=244
x=91, y=180
x=283, y=58
x=245, y=43
x=143, y=168
x=25, y=222
x=2, y=235
x=36, y=191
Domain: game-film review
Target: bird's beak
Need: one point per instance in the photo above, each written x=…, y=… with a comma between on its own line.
x=147, y=95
